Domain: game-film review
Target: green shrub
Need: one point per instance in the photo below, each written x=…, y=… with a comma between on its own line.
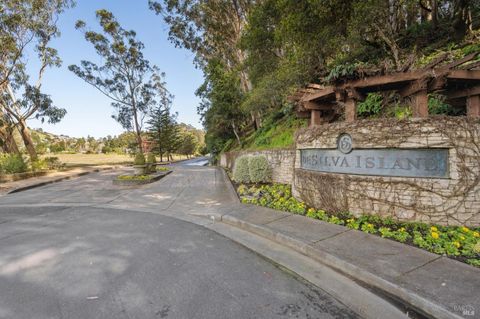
x=401, y=112
x=437, y=105
x=39, y=165
x=372, y=106
x=259, y=170
x=151, y=158
x=53, y=162
x=139, y=159
x=12, y=163
x=241, y=172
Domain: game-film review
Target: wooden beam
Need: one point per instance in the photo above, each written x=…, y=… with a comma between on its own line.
x=474, y=90
x=473, y=106
x=420, y=104
x=340, y=95
x=461, y=61
x=303, y=114
x=315, y=118
x=350, y=110
x=464, y=75
x=322, y=94
x=315, y=86
x=355, y=94
x=470, y=66
x=309, y=105
x=380, y=80
x=437, y=83
x=414, y=87
x=436, y=62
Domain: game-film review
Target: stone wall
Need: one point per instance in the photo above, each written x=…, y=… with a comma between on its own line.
x=451, y=201
x=282, y=162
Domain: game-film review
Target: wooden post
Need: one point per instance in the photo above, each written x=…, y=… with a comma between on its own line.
x=473, y=106
x=420, y=104
x=350, y=110
x=315, y=117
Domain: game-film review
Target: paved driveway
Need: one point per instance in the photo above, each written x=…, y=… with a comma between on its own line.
x=87, y=249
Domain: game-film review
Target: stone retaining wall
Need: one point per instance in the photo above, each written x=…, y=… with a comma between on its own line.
x=451, y=201
x=281, y=161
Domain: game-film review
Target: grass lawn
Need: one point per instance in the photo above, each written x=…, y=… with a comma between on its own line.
x=75, y=160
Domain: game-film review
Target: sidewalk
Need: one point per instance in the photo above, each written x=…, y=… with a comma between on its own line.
x=435, y=286
x=24, y=184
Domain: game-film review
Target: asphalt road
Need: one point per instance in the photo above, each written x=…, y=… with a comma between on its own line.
x=87, y=249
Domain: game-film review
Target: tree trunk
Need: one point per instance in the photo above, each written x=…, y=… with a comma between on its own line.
x=460, y=18
x=236, y=133
x=435, y=13
x=27, y=140
x=9, y=144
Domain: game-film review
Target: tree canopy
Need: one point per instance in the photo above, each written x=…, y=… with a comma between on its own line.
x=255, y=53
x=126, y=76
x=27, y=24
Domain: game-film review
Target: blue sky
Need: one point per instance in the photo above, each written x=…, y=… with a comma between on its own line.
x=89, y=112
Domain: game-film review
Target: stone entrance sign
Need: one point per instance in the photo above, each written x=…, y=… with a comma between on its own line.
x=380, y=162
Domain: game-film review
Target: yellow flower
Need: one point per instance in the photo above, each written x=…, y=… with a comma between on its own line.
x=435, y=235
x=370, y=225
x=402, y=229
x=462, y=237
x=465, y=229
x=433, y=229
x=476, y=234
x=457, y=244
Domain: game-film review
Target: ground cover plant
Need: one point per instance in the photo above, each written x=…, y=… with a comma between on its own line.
x=12, y=163
x=457, y=242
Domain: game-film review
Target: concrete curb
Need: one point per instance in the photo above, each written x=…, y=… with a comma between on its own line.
x=402, y=295
x=229, y=183
x=59, y=179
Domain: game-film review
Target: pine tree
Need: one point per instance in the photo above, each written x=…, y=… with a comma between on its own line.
x=163, y=131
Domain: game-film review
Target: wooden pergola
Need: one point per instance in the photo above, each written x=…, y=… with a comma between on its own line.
x=459, y=81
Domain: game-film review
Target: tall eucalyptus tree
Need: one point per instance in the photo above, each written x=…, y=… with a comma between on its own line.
x=24, y=25
x=126, y=76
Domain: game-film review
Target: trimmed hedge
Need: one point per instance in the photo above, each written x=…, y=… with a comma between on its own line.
x=252, y=169
x=151, y=158
x=241, y=172
x=259, y=169
x=139, y=159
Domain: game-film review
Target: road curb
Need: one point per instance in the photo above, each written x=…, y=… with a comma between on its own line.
x=59, y=179
x=229, y=183
x=394, y=291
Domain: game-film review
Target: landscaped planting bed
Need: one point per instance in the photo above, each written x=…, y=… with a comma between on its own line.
x=134, y=180
x=460, y=243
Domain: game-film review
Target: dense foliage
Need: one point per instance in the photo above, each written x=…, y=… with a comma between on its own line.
x=241, y=171
x=12, y=163
x=26, y=25
x=259, y=169
x=461, y=243
x=254, y=53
